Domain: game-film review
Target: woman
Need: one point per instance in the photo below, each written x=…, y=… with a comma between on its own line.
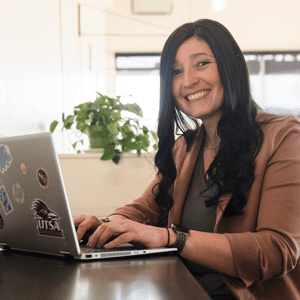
x=232, y=180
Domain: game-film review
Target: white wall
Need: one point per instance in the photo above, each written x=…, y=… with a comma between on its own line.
x=30, y=70
x=46, y=67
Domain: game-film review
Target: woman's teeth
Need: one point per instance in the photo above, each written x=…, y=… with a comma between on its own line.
x=197, y=95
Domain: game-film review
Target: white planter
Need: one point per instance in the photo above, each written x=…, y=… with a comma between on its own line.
x=99, y=187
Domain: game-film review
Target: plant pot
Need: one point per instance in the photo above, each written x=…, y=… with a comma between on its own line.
x=96, y=138
x=98, y=142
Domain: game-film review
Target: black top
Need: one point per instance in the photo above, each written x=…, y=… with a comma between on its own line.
x=196, y=216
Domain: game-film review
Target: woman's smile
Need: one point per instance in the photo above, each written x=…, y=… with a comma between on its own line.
x=192, y=98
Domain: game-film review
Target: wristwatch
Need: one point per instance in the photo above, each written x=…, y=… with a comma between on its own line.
x=182, y=234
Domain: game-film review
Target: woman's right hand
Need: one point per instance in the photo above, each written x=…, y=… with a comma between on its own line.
x=84, y=223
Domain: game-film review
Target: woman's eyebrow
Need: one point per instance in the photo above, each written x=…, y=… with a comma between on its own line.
x=199, y=54
x=193, y=56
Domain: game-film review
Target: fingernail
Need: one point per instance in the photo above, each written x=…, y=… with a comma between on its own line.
x=105, y=246
x=97, y=245
x=87, y=244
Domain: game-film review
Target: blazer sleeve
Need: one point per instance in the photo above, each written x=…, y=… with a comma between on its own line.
x=144, y=209
x=272, y=249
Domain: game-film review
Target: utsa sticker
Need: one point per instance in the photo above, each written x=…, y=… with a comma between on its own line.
x=47, y=220
x=5, y=158
x=4, y=199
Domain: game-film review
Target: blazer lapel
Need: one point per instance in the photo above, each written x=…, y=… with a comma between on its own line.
x=220, y=225
x=183, y=179
x=181, y=184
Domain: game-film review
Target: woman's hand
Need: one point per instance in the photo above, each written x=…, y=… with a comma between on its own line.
x=125, y=231
x=83, y=223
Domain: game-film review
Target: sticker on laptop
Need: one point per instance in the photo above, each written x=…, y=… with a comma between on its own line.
x=23, y=168
x=42, y=177
x=18, y=193
x=5, y=202
x=5, y=158
x=47, y=219
x=1, y=222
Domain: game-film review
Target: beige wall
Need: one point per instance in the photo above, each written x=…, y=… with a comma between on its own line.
x=99, y=187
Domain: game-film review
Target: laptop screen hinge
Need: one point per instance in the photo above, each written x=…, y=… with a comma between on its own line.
x=66, y=254
x=4, y=246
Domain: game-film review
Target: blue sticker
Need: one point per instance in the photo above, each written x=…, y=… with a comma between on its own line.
x=5, y=158
x=4, y=199
x=1, y=222
x=47, y=219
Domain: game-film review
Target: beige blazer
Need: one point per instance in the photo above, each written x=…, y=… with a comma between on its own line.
x=265, y=239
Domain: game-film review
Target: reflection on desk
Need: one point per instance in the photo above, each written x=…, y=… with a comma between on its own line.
x=43, y=277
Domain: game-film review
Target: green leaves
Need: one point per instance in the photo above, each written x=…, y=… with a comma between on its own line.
x=68, y=122
x=133, y=108
x=102, y=121
x=53, y=126
x=145, y=129
x=109, y=152
x=113, y=128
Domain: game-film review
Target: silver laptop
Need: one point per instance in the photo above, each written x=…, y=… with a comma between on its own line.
x=35, y=215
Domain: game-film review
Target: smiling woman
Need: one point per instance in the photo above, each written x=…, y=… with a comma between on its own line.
x=226, y=192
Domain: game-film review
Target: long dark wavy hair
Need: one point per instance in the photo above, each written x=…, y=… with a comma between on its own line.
x=241, y=136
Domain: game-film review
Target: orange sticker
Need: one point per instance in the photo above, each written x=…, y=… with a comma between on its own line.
x=23, y=168
x=42, y=177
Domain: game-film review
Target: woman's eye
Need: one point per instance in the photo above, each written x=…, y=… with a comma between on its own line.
x=203, y=63
x=175, y=72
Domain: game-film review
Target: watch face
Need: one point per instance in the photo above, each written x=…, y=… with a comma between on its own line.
x=180, y=228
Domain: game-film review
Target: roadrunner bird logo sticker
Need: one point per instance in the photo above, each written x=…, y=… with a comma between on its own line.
x=47, y=219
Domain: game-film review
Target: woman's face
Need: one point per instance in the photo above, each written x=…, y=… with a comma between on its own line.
x=196, y=84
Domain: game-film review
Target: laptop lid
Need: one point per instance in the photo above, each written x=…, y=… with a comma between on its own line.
x=34, y=209
x=35, y=214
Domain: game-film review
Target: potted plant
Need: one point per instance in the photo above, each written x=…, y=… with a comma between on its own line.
x=106, y=129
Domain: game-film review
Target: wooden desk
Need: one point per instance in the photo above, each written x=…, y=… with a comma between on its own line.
x=27, y=276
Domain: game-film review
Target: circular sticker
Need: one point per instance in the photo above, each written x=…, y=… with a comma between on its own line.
x=18, y=193
x=1, y=222
x=42, y=177
x=23, y=168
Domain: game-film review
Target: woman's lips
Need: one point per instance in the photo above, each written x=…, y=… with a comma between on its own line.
x=197, y=96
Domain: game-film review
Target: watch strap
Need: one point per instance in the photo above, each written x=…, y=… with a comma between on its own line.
x=181, y=238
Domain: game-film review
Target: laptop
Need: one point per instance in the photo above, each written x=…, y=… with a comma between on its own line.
x=35, y=214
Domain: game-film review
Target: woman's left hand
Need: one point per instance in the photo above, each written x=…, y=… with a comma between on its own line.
x=128, y=231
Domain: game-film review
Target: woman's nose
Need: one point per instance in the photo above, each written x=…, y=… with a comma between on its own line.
x=190, y=78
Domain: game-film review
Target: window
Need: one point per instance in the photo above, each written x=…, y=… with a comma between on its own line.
x=138, y=82
x=274, y=79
